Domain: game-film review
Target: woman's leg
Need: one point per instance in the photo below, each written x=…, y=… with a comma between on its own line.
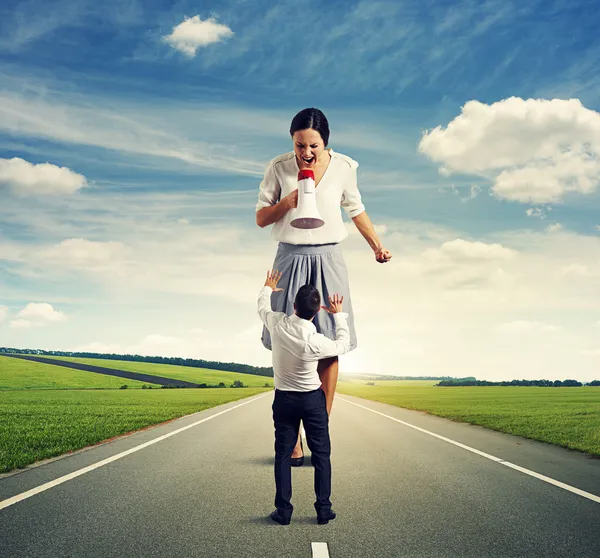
x=328, y=373
x=297, y=452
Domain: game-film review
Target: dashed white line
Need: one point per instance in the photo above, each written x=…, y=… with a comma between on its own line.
x=544, y=478
x=43, y=487
x=319, y=550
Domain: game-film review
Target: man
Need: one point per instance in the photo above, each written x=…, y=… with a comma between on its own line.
x=296, y=350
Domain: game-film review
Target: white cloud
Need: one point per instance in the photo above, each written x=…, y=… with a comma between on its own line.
x=194, y=33
x=577, y=269
x=525, y=326
x=554, y=228
x=474, y=191
x=37, y=314
x=539, y=212
x=21, y=324
x=78, y=253
x=25, y=178
x=460, y=249
x=3, y=313
x=534, y=150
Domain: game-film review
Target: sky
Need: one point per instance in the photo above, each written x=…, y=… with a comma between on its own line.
x=134, y=136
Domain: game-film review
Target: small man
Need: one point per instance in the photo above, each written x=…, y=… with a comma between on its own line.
x=297, y=347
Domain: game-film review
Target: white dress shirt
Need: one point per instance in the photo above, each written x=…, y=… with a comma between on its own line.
x=297, y=346
x=338, y=187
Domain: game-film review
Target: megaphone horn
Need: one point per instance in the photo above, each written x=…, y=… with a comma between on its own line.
x=306, y=215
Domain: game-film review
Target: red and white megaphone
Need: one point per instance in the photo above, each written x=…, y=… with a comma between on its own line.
x=306, y=215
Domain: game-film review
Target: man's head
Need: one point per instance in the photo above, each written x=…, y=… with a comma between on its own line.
x=308, y=302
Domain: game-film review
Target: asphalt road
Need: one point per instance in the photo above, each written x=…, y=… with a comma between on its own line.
x=206, y=491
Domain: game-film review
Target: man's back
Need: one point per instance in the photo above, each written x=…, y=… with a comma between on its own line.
x=297, y=346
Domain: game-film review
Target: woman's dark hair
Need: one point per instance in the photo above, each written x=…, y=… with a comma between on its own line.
x=311, y=118
x=308, y=302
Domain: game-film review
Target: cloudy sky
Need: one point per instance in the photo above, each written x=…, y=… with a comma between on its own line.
x=134, y=135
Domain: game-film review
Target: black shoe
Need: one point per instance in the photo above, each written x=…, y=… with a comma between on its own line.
x=326, y=518
x=298, y=461
x=276, y=516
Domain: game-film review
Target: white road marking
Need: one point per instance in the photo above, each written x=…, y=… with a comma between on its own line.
x=65, y=478
x=544, y=478
x=319, y=550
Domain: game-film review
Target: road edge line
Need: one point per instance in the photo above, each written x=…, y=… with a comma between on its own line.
x=549, y=480
x=60, y=480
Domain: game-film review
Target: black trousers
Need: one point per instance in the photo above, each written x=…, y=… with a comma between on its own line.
x=289, y=407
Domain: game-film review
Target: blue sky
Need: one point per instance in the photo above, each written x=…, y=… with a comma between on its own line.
x=130, y=164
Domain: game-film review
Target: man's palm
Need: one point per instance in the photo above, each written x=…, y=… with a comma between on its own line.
x=335, y=304
x=272, y=280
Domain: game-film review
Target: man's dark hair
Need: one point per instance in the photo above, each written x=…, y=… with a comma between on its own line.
x=311, y=118
x=308, y=302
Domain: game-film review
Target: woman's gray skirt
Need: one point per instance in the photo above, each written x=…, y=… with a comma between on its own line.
x=322, y=266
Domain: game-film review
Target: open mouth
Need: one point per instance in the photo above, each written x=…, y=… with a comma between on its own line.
x=308, y=160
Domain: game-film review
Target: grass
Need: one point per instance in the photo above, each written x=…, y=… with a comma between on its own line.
x=36, y=425
x=187, y=373
x=567, y=417
x=25, y=374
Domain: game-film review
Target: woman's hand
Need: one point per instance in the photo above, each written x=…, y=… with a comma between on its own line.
x=382, y=255
x=291, y=200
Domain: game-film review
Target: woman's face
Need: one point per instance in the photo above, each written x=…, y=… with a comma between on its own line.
x=309, y=148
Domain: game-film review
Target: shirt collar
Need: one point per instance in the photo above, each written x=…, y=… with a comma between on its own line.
x=308, y=324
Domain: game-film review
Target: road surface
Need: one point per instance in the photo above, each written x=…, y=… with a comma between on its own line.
x=404, y=484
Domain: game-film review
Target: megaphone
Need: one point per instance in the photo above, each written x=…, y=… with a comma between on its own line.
x=306, y=215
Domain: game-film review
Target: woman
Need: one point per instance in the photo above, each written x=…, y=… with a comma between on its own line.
x=314, y=255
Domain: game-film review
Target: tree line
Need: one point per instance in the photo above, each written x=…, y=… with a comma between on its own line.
x=197, y=363
x=540, y=383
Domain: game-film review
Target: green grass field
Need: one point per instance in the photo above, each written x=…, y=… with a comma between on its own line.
x=39, y=424
x=187, y=373
x=567, y=417
x=25, y=374
x=48, y=410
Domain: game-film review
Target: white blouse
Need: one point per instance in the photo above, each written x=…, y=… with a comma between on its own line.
x=338, y=188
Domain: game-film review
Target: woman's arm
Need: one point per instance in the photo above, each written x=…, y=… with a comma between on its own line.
x=271, y=214
x=365, y=227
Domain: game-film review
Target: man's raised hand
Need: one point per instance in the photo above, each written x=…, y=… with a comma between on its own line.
x=335, y=304
x=272, y=279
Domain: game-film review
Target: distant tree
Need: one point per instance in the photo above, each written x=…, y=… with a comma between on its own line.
x=594, y=383
x=370, y=383
x=571, y=383
x=237, y=384
x=124, y=386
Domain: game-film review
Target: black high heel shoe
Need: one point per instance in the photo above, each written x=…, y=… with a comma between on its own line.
x=298, y=461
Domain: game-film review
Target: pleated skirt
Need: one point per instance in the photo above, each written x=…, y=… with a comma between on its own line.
x=322, y=266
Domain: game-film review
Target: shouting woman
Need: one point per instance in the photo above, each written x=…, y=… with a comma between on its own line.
x=314, y=256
